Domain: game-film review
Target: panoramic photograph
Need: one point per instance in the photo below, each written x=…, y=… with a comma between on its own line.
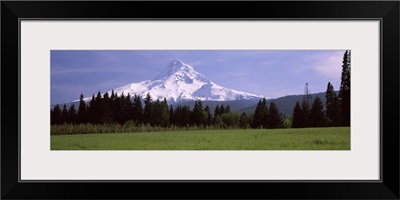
x=200, y=100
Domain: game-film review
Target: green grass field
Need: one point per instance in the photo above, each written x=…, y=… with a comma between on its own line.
x=240, y=139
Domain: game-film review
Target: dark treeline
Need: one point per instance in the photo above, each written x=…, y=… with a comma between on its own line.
x=114, y=108
x=120, y=109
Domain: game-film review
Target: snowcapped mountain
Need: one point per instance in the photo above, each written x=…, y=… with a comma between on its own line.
x=180, y=82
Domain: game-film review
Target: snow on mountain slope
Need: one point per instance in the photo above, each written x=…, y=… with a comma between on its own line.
x=180, y=82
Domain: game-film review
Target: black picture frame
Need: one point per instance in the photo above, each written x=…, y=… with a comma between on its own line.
x=386, y=11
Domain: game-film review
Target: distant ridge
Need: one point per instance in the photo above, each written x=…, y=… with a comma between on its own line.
x=286, y=103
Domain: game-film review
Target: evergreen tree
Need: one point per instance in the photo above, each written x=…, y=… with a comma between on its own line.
x=107, y=115
x=64, y=115
x=130, y=113
x=106, y=98
x=228, y=109
x=56, y=115
x=82, y=111
x=216, y=111
x=332, y=106
x=209, y=116
x=112, y=97
x=147, y=108
x=72, y=115
x=275, y=119
x=259, y=114
x=120, y=108
x=115, y=105
x=221, y=110
x=182, y=116
x=177, y=118
x=155, y=113
x=164, y=122
x=99, y=108
x=117, y=108
x=243, y=121
x=171, y=115
x=344, y=93
x=317, y=115
x=126, y=112
x=256, y=122
x=265, y=113
x=305, y=108
x=159, y=114
x=297, y=116
x=92, y=110
x=137, y=109
x=197, y=115
x=185, y=116
x=98, y=96
x=52, y=116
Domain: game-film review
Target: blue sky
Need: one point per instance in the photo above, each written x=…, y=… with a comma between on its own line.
x=265, y=72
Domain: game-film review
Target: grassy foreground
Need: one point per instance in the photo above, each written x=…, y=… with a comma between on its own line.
x=240, y=139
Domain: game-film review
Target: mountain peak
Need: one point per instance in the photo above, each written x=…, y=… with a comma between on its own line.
x=174, y=67
x=176, y=63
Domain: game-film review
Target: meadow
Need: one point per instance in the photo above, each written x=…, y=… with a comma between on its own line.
x=332, y=138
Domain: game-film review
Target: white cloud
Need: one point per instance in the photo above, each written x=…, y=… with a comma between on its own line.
x=329, y=66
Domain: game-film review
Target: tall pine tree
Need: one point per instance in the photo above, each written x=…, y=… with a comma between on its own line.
x=164, y=113
x=209, y=117
x=317, y=115
x=221, y=110
x=344, y=93
x=64, y=115
x=259, y=114
x=129, y=108
x=137, y=109
x=243, y=121
x=228, y=109
x=117, y=108
x=275, y=119
x=82, y=111
x=266, y=114
x=147, y=108
x=155, y=113
x=332, y=106
x=72, y=116
x=185, y=116
x=56, y=115
x=92, y=110
x=297, y=116
x=216, y=111
x=99, y=109
x=197, y=115
x=107, y=115
x=172, y=120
